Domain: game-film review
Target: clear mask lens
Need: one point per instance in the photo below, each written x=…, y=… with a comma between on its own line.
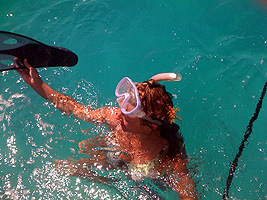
x=128, y=97
x=129, y=100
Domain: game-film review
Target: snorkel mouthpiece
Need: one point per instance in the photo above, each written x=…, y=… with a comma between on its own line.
x=167, y=77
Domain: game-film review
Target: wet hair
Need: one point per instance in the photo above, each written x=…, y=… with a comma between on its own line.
x=157, y=103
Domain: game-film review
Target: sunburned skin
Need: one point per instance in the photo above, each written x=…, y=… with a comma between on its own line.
x=137, y=144
x=134, y=148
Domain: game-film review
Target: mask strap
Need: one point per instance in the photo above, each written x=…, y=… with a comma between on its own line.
x=151, y=120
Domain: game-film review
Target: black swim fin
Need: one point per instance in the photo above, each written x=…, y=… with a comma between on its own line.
x=38, y=54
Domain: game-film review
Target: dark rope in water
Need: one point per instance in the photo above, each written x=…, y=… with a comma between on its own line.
x=243, y=143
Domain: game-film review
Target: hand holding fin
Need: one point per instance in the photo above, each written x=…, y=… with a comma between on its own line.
x=37, y=54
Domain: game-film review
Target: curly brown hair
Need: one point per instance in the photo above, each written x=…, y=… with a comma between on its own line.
x=156, y=101
x=157, y=104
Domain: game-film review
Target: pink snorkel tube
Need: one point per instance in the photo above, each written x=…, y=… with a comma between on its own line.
x=167, y=77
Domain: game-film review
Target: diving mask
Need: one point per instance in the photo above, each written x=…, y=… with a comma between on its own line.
x=128, y=96
x=129, y=100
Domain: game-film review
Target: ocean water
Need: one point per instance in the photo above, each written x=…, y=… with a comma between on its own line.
x=219, y=48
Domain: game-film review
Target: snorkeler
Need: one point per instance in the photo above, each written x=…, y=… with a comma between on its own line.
x=144, y=139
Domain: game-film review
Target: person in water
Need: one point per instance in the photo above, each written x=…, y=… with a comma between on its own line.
x=143, y=136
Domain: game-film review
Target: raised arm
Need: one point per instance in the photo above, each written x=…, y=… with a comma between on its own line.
x=64, y=103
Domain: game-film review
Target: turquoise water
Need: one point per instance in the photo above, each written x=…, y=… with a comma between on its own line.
x=220, y=49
